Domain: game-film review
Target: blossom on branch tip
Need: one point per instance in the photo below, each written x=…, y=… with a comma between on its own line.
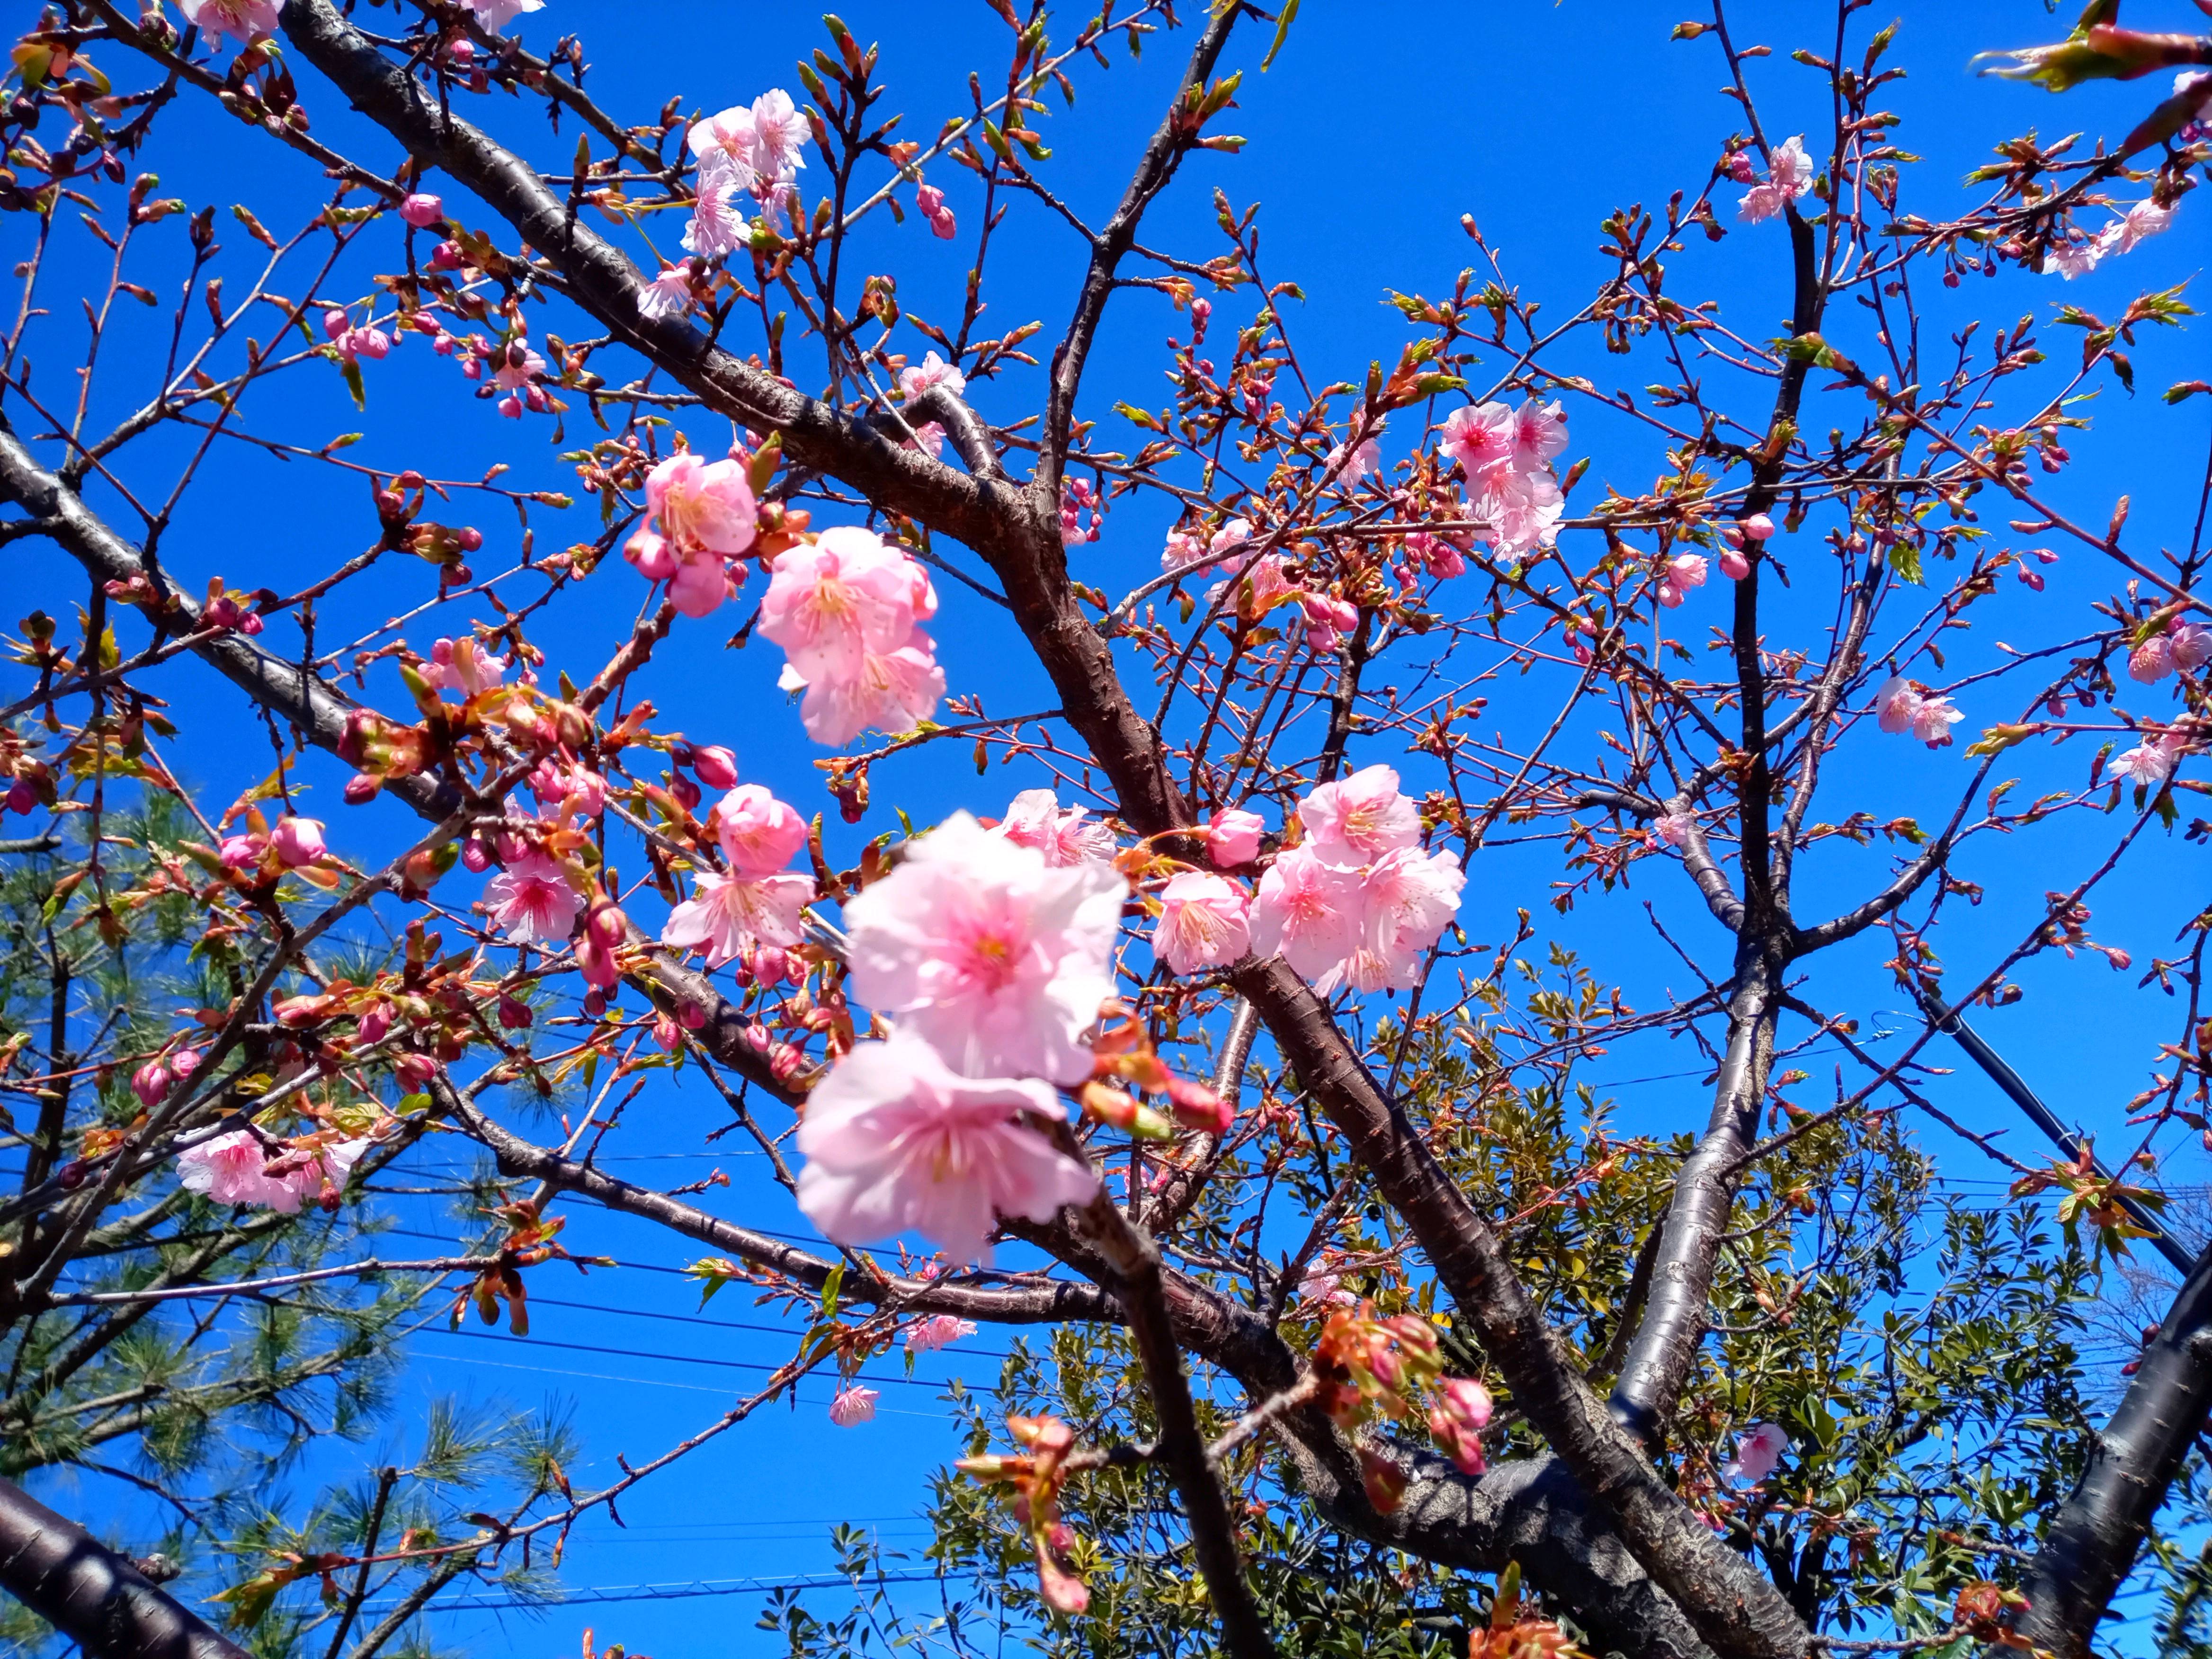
x=1305, y=912
x=1233, y=837
x=666, y=295
x=248, y=20
x=847, y=610
x=728, y=916
x=1355, y=820
x=497, y=15
x=421, y=210
x=938, y=1331
x=298, y=841
x=2152, y=660
x=932, y=371
x=227, y=1169
x=852, y=1405
x=979, y=946
x=1788, y=176
x=1897, y=703
x=896, y=1142
x=1463, y=1410
x=2191, y=644
x=1673, y=828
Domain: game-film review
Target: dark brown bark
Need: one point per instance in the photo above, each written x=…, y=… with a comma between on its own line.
x=93, y=1597
x=2093, y=1541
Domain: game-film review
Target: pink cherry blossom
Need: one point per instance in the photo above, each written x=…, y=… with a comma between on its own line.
x=2150, y=762
x=721, y=217
x=1437, y=556
x=1757, y=1453
x=1035, y=820
x=728, y=916
x=533, y=900
x=932, y=371
x=2143, y=219
x=246, y=18
x=1933, y=721
x=1540, y=435
x=2152, y=660
x=779, y=133
x=1463, y=1410
x=666, y=295
x=1406, y=900
x=2070, y=259
x=1355, y=820
x=307, y=1176
x=702, y=506
x=1674, y=828
x=463, y=665
x=2191, y=644
x=758, y=834
x=1522, y=512
x=929, y=439
x=978, y=945
x=896, y=1142
x=1205, y=922
x=852, y=1405
x=1482, y=438
x=1788, y=176
x=938, y=1331
x=298, y=841
x=889, y=692
x=1233, y=837
x=497, y=15
x=831, y=604
x=1897, y=703
x=1351, y=464
x=1686, y=570
x=227, y=1169
x=243, y=852
x=1307, y=912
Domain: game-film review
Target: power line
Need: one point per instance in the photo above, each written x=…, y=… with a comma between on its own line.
x=675, y=1358
x=672, y=1592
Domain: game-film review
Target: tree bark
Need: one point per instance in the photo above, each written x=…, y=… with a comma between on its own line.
x=91, y=1594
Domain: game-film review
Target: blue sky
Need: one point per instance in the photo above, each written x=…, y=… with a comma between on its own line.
x=1377, y=127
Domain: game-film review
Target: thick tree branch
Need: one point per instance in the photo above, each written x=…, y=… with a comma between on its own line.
x=92, y=1595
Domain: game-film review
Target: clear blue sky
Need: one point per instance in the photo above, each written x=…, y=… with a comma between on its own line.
x=1379, y=126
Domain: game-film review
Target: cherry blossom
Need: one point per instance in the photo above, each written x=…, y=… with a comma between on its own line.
x=2193, y=645
x=896, y=1142
x=938, y=1331
x=1035, y=820
x=891, y=692
x=2070, y=259
x=933, y=371
x=758, y=833
x=1674, y=828
x=979, y=946
x=463, y=665
x=497, y=15
x=1522, y=512
x=1405, y=901
x=1788, y=176
x=2143, y=219
x=733, y=916
x=421, y=210
x=1897, y=703
x=317, y=1174
x=666, y=295
x=930, y=201
x=1355, y=821
x=1733, y=565
x=1757, y=1453
x=227, y=1169
x=852, y=1405
x=1483, y=440
x=1461, y=1411
x=532, y=901
x=847, y=608
x=1352, y=464
x=1933, y=721
x=779, y=133
x=1205, y=922
x=2152, y=660
x=721, y=217
x=1678, y=575
x=248, y=20
x=1306, y=912
x=1233, y=837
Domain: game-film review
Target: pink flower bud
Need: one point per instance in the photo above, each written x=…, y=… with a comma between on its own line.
x=476, y=857
x=416, y=1071
x=607, y=926
x=687, y=792
x=1197, y=1107
x=299, y=842
x=446, y=256
x=1233, y=837
x=150, y=1082
x=655, y=560
x=375, y=1026
x=1758, y=526
x=716, y=766
x=692, y=1017
x=1734, y=565
x=421, y=210
x=184, y=1063
x=334, y=322
x=513, y=1015
x=242, y=852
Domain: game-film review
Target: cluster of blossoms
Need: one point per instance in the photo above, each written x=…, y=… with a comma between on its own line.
x=992, y=964
x=751, y=915
x=2152, y=760
x=1061, y=835
x=1507, y=455
x=1366, y=1365
x=938, y=1331
x=748, y=158
x=515, y=368
x=1903, y=705
x=152, y=1082
x=1789, y=175
x=354, y=341
x=2183, y=647
x=1681, y=571
x=1263, y=581
x=916, y=378
x=1078, y=496
x=1355, y=905
x=233, y=1169
x=2074, y=258
x=848, y=610
x=703, y=516
x=464, y=666
x=296, y=844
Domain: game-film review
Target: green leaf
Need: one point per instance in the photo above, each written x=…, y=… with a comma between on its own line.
x=1284, y=19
